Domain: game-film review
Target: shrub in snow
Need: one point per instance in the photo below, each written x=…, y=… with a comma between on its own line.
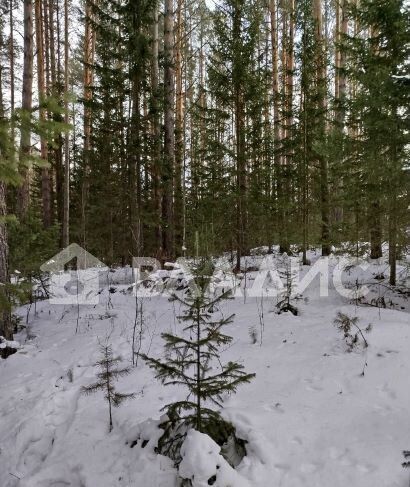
x=288, y=276
x=202, y=464
x=253, y=335
x=8, y=347
x=406, y=455
x=106, y=377
x=353, y=334
x=193, y=361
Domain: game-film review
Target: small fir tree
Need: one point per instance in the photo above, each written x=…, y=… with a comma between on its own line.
x=191, y=361
x=288, y=276
x=352, y=332
x=106, y=377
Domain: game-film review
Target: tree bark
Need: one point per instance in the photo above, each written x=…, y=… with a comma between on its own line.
x=276, y=108
x=340, y=62
x=66, y=195
x=179, y=129
x=239, y=112
x=23, y=193
x=45, y=177
x=169, y=127
x=89, y=52
x=6, y=328
x=11, y=56
x=321, y=87
x=156, y=137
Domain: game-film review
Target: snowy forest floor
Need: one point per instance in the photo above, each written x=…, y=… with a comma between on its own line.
x=310, y=418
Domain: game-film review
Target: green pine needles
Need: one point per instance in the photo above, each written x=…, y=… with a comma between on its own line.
x=193, y=361
x=107, y=376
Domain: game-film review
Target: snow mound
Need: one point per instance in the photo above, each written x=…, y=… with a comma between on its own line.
x=9, y=343
x=203, y=464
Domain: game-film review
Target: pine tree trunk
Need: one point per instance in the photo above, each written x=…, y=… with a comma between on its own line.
x=45, y=177
x=135, y=169
x=66, y=196
x=6, y=328
x=392, y=240
x=11, y=56
x=57, y=91
x=23, y=193
x=239, y=113
x=340, y=87
x=276, y=106
x=283, y=182
x=156, y=138
x=374, y=208
x=198, y=369
x=88, y=80
x=179, y=129
x=169, y=127
x=50, y=89
x=340, y=57
x=321, y=84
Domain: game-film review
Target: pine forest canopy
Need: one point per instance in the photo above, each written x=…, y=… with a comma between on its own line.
x=171, y=127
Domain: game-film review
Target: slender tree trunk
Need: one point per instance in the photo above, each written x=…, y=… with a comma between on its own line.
x=6, y=328
x=375, y=209
x=239, y=112
x=288, y=102
x=340, y=87
x=52, y=89
x=169, y=127
x=304, y=88
x=58, y=93
x=276, y=110
x=198, y=370
x=45, y=177
x=11, y=56
x=374, y=217
x=89, y=52
x=23, y=193
x=156, y=137
x=321, y=85
x=340, y=62
x=392, y=239
x=66, y=196
x=395, y=176
x=179, y=128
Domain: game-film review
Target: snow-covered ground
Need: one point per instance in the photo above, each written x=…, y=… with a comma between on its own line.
x=310, y=418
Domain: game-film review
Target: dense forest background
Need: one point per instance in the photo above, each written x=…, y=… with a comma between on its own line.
x=195, y=127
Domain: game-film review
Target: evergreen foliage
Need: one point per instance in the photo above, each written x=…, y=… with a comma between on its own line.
x=287, y=274
x=107, y=377
x=352, y=333
x=193, y=361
